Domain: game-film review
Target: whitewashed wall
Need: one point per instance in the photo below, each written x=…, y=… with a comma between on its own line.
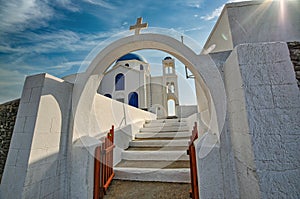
x=186, y=111
x=106, y=112
x=42, y=161
x=264, y=109
x=255, y=21
x=37, y=159
x=110, y=112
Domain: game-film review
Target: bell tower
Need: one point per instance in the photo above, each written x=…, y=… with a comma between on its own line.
x=171, y=85
x=168, y=66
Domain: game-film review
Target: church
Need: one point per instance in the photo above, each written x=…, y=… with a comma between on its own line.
x=129, y=81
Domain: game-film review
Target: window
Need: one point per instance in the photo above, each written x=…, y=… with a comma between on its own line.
x=133, y=99
x=167, y=87
x=108, y=95
x=120, y=82
x=141, y=67
x=172, y=88
x=168, y=70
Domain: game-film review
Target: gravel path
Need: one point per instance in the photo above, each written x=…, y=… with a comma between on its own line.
x=147, y=190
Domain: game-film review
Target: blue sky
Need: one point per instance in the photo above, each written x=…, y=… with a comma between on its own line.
x=55, y=36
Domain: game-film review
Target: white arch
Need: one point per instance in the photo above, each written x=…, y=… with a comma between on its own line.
x=204, y=69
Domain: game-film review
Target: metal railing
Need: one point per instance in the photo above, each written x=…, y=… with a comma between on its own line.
x=194, y=192
x=103, y=165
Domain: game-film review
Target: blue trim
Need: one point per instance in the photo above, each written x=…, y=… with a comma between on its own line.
x=120, y=82
x=132, y=56
x=133, y=99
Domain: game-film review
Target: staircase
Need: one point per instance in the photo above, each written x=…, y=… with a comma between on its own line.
x=158, y=153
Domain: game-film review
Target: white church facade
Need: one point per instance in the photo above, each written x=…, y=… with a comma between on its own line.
x=129, y=81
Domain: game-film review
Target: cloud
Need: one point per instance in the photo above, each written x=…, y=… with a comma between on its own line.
x=10, y=77
x=194, y=3
x=54, y=42
x=100, y=3
x=66, y=4
x=194, y=29
x=217, y=12
x=17, y=15
x=11, y=84
x=66, y=66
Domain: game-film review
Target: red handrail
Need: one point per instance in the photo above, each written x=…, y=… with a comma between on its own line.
x=194, y=193
x=103, y=165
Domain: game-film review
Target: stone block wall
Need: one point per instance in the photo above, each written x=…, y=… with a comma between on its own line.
x=245, y=168
x=8, y=114
x=271, y=107
x=294, y=48
x=36, y=165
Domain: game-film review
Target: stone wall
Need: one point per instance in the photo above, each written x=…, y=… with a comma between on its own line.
x=239, y=134
x=294, y=48
x=264, y=119
x=8, y=114
x=36, y=165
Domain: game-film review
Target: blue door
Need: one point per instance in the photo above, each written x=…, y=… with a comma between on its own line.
x=133, y=99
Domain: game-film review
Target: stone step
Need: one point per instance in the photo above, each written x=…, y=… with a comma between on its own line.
x=158, y=153
x=184, y=134
x=154, y=164
x=155, y=155
x=165, y=121
x=164, y=129
x=161, y=138
x=164, y=148
x=177, y=124
x=162, y=132
x=153, y=174
x=126, y=189
x=158, y=143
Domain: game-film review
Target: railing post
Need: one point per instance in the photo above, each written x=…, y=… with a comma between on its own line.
x=97, y=170
x=103, y=165
x=193, y=164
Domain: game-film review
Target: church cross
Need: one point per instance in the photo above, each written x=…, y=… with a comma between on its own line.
x=138, y=26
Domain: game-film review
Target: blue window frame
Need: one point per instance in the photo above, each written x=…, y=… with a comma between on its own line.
x=133, y=99
x=120, y=82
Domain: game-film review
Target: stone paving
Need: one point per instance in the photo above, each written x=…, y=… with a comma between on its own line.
x=147, y=190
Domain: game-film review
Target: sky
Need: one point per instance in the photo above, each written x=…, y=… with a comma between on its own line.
x=55, y=36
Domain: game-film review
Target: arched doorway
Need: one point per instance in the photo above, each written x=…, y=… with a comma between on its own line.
x=133, y=99
x=171, y=108
x=207, y=79
x=209, y=84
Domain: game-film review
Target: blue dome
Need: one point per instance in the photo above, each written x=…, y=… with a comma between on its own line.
x=132, y=56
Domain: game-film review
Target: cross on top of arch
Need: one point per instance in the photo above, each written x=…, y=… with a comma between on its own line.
x=138, y=26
